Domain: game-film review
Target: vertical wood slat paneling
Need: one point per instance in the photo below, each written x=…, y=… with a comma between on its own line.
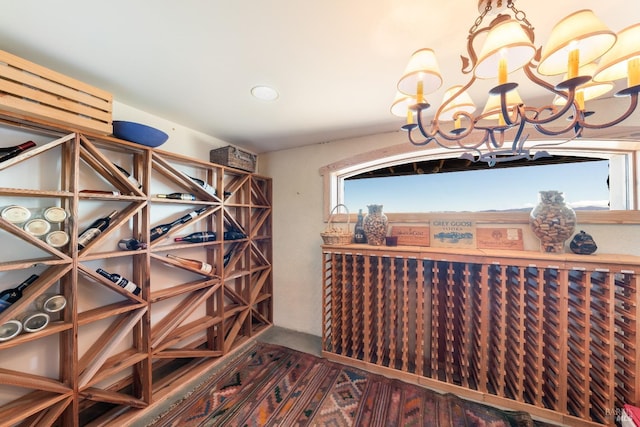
x=449, y=329
x=577, y=345
x=485, y=312
x=346, y=303
x=420, y=318
x=551, y=325
x=356, y=306
x=405, y=316
x=435, y=322
x=380, y=318
x=368, y=307
x=393, y=314
x=562, y=338
x=563, y=292
x=627, y=336
x=466, y=318
x=611, y=338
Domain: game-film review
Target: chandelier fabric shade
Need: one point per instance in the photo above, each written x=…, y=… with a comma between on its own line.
x=461, y=103
x=422, y=75
x=401, y=104
x=582, y=33
x=506, y=42
x=623, y=61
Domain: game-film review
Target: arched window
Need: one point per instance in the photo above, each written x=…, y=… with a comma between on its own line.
x=598, y=180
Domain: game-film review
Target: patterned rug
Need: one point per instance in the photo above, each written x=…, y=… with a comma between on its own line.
x=269, y=385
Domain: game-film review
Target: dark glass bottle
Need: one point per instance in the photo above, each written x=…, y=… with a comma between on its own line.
x=177, y=196
x=209, y=189
x=234, y=233
x=7, y=153
x=161, y=230
x=197, y=237
x=130, y=177
x=94, y=230
x=9, y=296
x=131, y=244
x=358, y=231
x=120, y=281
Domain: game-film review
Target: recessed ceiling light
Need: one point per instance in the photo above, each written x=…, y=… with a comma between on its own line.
x=264, y=93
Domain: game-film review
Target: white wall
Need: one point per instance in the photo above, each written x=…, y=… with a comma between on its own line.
x=298, y=222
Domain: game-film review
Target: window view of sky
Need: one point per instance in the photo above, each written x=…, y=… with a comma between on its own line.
x=583, y=184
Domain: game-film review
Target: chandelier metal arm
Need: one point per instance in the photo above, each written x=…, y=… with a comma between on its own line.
x=633, y=103
x=555, y=113
x=518, y=113
x=426, y=133
x=418, y=143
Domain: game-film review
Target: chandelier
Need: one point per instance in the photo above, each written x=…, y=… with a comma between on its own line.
x=589, y=55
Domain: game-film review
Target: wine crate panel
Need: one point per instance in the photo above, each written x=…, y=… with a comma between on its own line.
x=411, y=235
x=455, y=233
x=38, y=92
x=500, y=238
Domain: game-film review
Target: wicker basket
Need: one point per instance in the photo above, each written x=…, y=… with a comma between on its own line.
x=336, y=235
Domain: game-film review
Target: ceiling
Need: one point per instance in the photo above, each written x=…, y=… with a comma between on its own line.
x=335, y=63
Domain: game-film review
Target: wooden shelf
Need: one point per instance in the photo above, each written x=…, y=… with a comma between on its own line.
x=109, y=339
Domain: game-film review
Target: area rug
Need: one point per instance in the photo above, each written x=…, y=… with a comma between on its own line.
x=270, y=385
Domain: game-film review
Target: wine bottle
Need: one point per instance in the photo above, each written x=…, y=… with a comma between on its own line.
x=197, y=237
x=120, y=281
x=131, y=244
x=177, y=196
x=130, y=177
x=7, y=153
x=94, y=230
x=193, y=263
x=358, y=231
x=9, y=296
x=163, y=229
x=209, y=189
x=234, y=233
x=113, y=193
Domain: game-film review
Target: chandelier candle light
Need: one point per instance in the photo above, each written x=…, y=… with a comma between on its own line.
x=580, y=47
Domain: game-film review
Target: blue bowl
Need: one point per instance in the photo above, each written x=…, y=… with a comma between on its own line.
x=139, y=133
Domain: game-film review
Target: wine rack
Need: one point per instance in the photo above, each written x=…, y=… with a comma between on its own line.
x=555, y=335
x=107, y=353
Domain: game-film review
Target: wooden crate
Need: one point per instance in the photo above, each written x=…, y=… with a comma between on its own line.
x=234, y=157
x=33, y=91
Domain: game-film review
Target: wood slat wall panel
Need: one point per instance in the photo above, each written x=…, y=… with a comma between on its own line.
x=559, y=336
